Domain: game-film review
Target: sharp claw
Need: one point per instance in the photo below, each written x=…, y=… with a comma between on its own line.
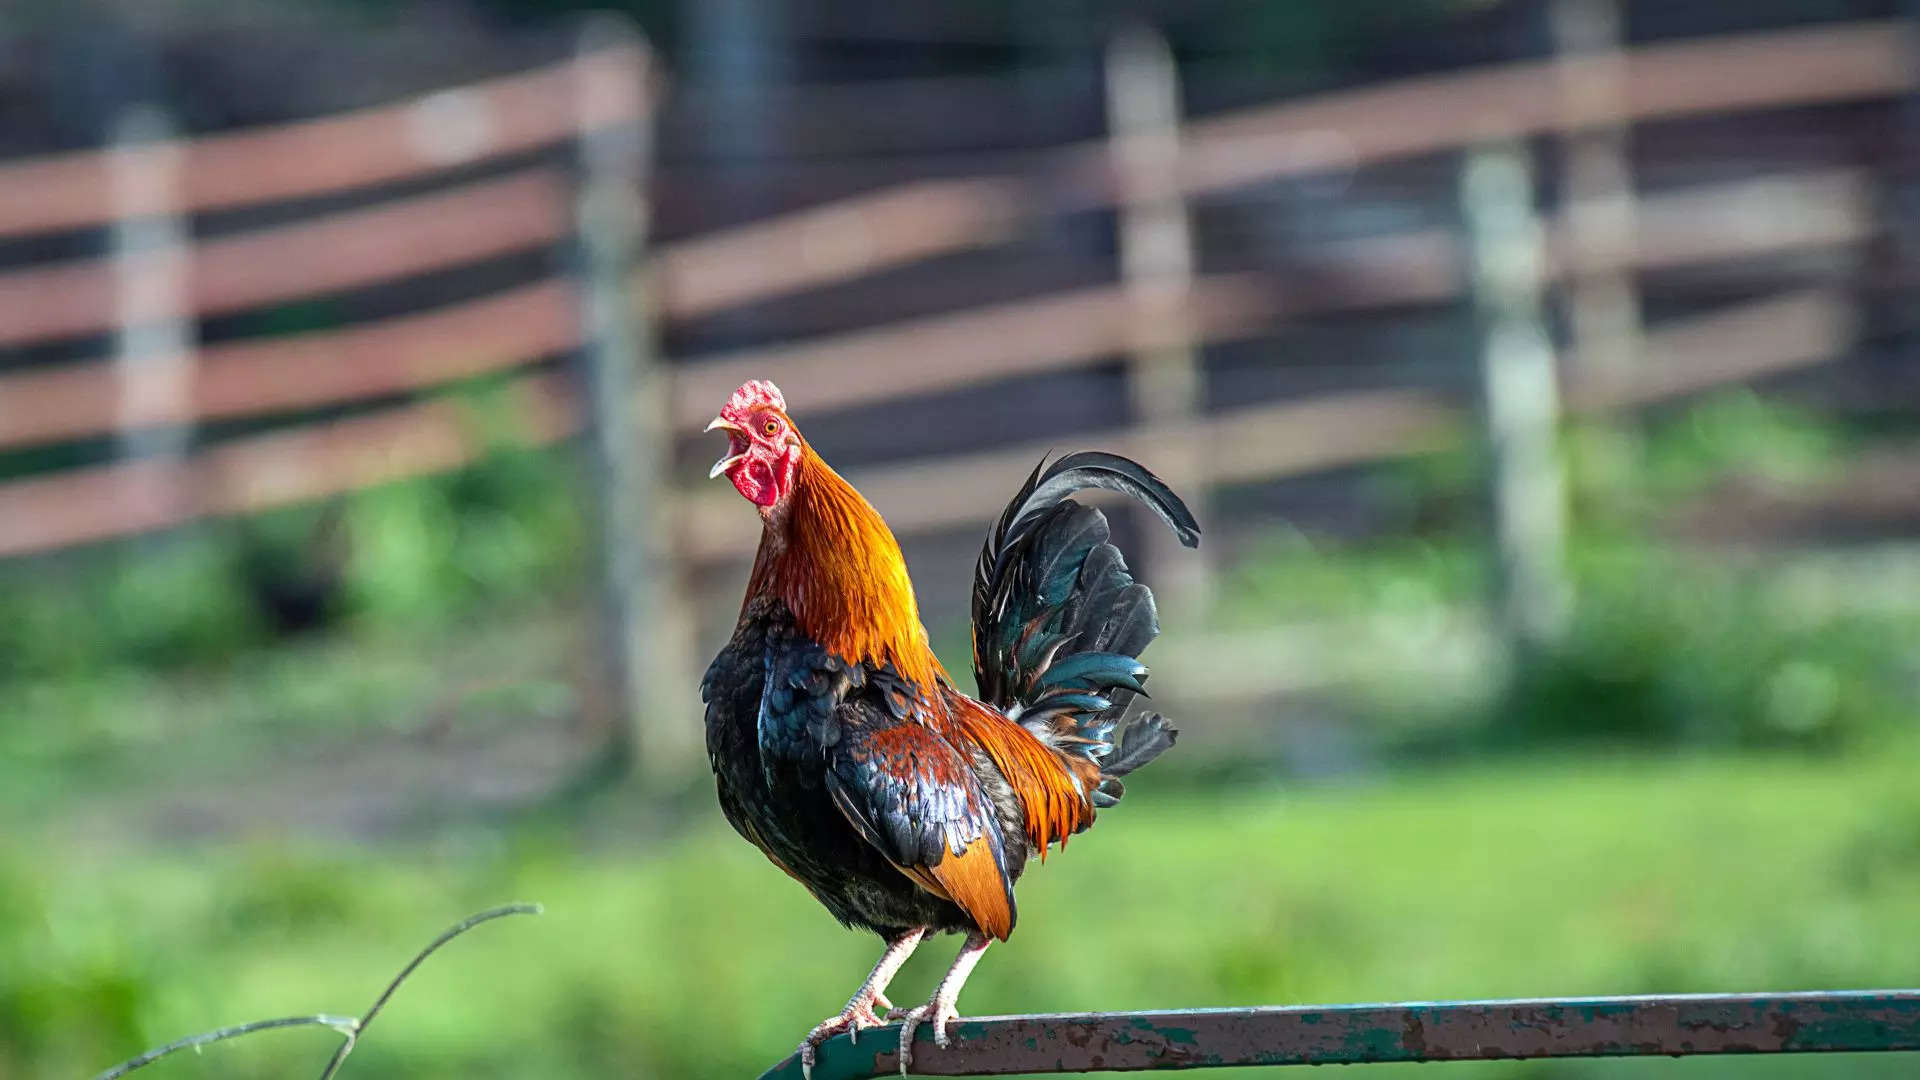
x=858, y=1014
x=908, y=1020
x=939, y=1016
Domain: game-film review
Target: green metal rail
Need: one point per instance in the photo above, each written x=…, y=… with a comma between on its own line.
x=1675, y=1026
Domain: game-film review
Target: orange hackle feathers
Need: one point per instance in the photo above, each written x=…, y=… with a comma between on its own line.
x=836, y=566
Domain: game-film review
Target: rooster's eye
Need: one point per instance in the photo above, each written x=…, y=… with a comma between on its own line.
x=770, y=428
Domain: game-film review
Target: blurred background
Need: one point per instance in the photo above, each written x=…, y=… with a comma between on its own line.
x=1543, y=373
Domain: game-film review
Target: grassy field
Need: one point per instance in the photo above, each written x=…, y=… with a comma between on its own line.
x=1536, y=876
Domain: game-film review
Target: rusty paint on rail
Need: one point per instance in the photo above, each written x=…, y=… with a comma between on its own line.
x=1825, y=1022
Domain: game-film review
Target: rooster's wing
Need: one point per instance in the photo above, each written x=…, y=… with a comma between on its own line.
x=904, y=788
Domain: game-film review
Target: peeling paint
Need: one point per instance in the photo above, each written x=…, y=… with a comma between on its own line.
x=1675, y=1026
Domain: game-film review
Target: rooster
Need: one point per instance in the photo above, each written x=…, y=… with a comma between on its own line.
x=844, y=751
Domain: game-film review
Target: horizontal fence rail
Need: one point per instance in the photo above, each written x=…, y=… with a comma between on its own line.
x=1826, y=65
x=1668, y=1026
x=300, y=371
x=432, y=133
x=1675, y=229
x=261, y=471
x=352, y=249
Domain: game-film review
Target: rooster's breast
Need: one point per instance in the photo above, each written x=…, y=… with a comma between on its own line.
x=783, y=807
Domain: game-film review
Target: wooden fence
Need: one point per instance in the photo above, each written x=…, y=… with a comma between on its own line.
x=1156, y=317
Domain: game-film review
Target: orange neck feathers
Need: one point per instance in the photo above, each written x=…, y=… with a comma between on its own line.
x=827, y=554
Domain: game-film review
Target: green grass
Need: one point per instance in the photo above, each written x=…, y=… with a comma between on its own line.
x=77, y=740
x=1542, y=876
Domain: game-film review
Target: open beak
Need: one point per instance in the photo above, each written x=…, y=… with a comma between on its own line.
x=731, y=459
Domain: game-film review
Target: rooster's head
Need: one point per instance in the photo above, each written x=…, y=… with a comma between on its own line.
x=763, y=447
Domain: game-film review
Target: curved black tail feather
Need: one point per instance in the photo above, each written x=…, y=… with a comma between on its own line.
x=1058, y=621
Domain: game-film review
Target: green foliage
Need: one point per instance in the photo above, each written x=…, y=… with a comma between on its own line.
x=1290, y=576
x=426, y=549
x=510, y=526
x=105, y=736
x=1666, y=646
x=1623, y=475
x=159, y=601
x=1740, y=433
x=1605, y=874
x=415, y=552
x=1670, y=643
x=1678, y=648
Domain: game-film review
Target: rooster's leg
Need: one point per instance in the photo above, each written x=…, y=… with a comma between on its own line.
x=859, y=1011
x=943, y=1009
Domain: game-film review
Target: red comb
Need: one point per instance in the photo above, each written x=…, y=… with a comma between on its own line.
x=753, y=394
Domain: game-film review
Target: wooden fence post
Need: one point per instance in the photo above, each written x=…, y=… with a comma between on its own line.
x=1165, y=378
x=645, y=627
x=1603, y=298
x=1894, y=315
x=1520, y=396
x=154, y=331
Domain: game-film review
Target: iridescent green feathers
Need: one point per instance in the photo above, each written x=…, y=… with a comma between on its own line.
x=1059, y=623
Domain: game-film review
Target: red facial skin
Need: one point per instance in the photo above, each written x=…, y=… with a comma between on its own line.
x=764, y=442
